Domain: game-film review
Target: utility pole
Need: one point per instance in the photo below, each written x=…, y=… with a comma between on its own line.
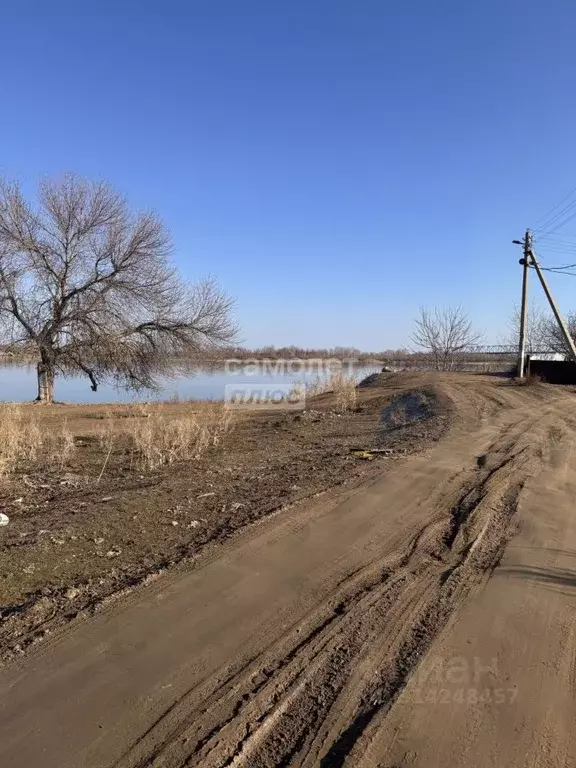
x=527, y=244
x=559, y=319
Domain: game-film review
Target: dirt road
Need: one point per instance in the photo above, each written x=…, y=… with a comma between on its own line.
x=424, y=618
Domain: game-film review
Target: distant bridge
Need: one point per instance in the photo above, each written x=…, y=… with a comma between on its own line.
x=493, y=349
x=477, y=353
x=485, y=349
x=503, y=349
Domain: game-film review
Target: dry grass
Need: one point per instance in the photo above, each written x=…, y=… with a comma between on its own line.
x=152, y=435
x=163, y=439
x=317, y=387
x=24, y=441
x=343, y=387
x=297, y=392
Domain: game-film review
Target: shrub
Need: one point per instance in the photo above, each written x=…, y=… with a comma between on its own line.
x=344, y=388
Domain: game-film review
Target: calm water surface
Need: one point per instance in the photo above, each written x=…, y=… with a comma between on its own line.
x=18, y=384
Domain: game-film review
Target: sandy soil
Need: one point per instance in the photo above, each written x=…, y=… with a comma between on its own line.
x=420, y=615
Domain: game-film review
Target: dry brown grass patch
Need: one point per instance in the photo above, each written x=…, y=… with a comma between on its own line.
x=24, y=440
x=165, y=438
x=343, y=387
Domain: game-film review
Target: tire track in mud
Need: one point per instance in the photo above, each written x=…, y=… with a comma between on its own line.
x=420, y=611
x=310, y=697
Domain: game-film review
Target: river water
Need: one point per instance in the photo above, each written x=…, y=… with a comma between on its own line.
x=18, y=383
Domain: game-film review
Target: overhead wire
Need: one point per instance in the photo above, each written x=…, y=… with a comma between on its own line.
x=543, y=218
x=554, y=271
x=560, y=270
x=568, y=249
x=565, y=251
x=550, y=223
x=562, y=266
x=557, y=239
x=553, y=243
x=554, y=219
x=561, y=223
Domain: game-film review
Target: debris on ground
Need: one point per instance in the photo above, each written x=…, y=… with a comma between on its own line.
x=359, y=454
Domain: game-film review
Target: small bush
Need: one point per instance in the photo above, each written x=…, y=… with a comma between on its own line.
x=297, y=391
x=344, y=388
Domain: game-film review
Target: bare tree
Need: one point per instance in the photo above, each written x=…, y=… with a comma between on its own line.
x=88, y=288
x=552, y=337
x=537, y=329
x=542, y=331
x=445, y=334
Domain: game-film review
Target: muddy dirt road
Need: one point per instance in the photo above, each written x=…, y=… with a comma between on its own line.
x=426, y=617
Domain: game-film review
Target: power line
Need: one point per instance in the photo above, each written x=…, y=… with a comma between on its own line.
x=555, y=207
x=562, y=240
x=556, y=252
x=562, y=223
x=562, y=266
x=558, y=221
x=530, y=261
x=560, y=251
x=556, y=240
x=560, y=270
x=555, y=271
x=549, y=224
x=553, y=245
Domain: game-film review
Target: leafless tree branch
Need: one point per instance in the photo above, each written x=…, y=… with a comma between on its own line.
x=89, y=288
x=445, y=334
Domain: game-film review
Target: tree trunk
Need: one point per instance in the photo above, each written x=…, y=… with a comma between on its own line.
x=45, y=383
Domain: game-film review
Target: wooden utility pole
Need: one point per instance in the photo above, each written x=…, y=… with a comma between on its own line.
x=527, y=243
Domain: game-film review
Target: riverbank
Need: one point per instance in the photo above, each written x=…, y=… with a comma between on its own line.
x=88, y=523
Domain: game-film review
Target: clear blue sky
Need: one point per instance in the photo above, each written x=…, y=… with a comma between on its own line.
x=334, y=163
